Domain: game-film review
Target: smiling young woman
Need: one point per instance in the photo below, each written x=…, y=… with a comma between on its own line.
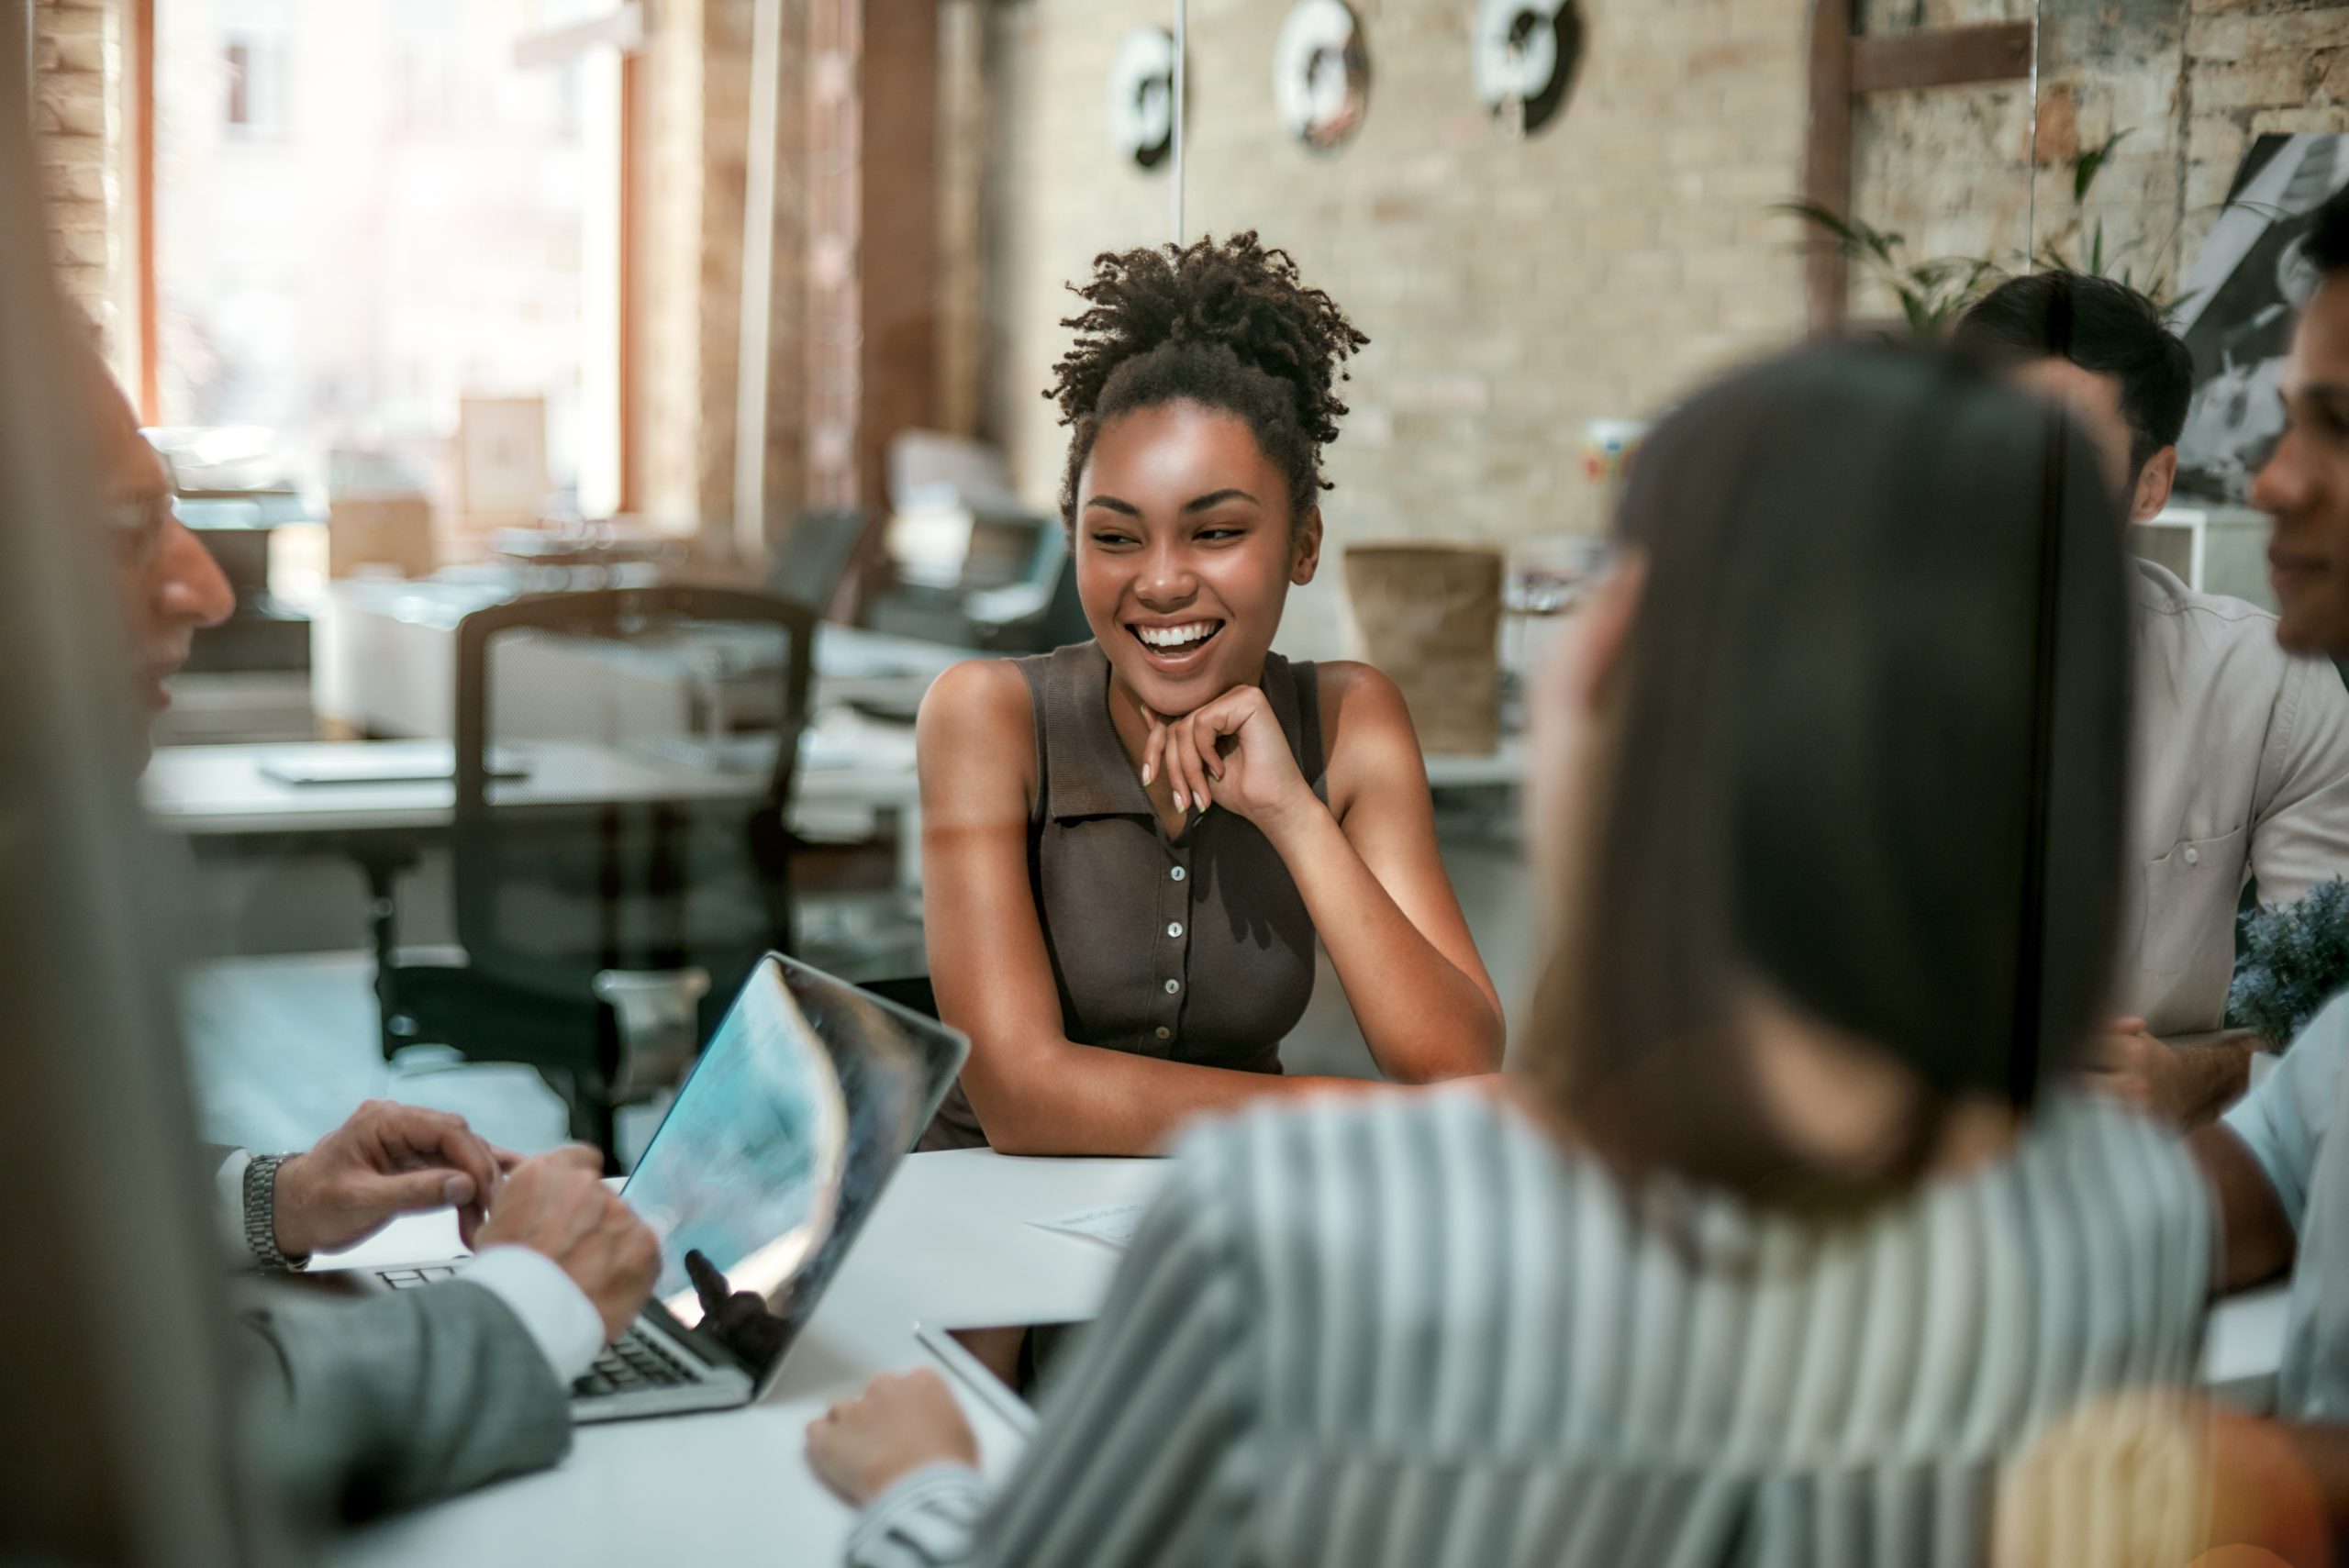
x=1131, y=845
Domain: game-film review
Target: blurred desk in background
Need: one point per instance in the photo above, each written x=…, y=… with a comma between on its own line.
x=210, y=791
x=1503, y=768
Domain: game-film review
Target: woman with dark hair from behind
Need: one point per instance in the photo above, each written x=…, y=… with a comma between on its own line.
x=1785, y=1234
x=1132, y=846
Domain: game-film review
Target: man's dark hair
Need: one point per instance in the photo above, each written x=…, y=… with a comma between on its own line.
x=2327, y=246
x=2102, y=326
x=1227, y=326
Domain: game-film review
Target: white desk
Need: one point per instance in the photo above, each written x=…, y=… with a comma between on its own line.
x=222, y=792
x=948, y=1244
x=1503, y=768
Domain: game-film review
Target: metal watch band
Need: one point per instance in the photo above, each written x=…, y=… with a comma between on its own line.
x=261, y=1214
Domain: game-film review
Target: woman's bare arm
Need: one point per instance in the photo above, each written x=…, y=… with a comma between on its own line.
x=1373, y=878
x=1036, y=1092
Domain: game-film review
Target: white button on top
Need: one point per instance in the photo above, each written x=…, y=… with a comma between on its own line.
x=1176, y=874
x=1173, y=986
x=2193, y=855
x=1165, y=1033
x=1174, y=927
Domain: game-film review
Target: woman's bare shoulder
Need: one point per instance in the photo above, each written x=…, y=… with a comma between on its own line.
x=978, y=714
x=1362, y=705
x=1366, y=733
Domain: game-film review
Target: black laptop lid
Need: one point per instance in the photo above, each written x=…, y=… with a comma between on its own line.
x=757, y=1180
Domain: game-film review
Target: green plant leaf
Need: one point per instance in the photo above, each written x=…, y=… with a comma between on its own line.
x=2088, y=165
x=1854, y=237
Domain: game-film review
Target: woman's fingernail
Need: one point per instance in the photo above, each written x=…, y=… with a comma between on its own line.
x=1147, y=773
x=1180, y=803
x=458, y=1189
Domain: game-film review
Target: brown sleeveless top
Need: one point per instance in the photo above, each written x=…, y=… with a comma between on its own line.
x=1196, y=949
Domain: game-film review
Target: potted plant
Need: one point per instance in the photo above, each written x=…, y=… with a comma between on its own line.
x=2290, y=958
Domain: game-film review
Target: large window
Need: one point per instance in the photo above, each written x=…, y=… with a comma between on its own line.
x=368, y=212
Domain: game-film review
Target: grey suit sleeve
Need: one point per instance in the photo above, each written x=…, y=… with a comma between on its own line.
x=390, y=1401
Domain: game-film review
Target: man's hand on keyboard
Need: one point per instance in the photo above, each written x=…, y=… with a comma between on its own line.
x=386, y=1161
x=557, y=1205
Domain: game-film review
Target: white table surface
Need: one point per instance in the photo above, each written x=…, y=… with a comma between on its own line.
x=206, y=791
x=1505, y=766
x=949, y=1244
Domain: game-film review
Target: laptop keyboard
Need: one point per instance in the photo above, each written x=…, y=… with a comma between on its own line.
x=635, y=1363
x=413, y=1279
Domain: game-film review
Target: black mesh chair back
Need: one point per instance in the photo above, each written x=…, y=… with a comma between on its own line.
x=815, y=556
x=619, y=860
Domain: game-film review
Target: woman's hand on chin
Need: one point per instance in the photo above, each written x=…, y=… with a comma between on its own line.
x=1230, y=752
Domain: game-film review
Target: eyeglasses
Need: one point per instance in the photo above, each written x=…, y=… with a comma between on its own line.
x=135, y=529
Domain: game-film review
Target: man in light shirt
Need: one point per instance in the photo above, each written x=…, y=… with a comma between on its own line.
x=395, y=1399
x=2241, y=748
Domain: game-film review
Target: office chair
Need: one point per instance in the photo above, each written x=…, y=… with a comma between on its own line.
x=1038, y=627
x=603, y=937
x=814, y=557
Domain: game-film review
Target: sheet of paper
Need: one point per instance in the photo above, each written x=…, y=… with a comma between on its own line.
x=1112, y=1227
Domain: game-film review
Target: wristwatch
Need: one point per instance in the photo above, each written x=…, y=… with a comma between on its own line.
x=260, y=1215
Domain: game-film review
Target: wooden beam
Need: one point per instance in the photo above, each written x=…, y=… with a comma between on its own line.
x=632, y=136
x=898, y=241
x=1827, y=160
x=1942, y=57
x=150, y=325
x=622, y=29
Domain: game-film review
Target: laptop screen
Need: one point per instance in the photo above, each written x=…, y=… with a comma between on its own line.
x=780, y=1142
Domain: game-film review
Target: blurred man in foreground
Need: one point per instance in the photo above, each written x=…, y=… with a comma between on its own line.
x=396, y=1399
x=2241, y=749
x=2283, y=1182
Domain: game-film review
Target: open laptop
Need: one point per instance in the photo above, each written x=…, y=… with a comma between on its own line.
x=757, y=1182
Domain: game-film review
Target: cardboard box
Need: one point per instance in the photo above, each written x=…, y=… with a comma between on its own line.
x=383, y=531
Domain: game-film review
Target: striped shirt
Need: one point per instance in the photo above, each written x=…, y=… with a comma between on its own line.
x=1413, y=1331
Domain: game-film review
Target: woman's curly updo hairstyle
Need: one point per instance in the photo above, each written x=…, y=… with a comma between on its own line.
x=1225, y=325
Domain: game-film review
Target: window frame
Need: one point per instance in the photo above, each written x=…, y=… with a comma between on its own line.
x=623, y=28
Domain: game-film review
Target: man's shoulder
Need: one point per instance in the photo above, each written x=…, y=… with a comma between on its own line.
x=2208, y=639
x=2161, y=594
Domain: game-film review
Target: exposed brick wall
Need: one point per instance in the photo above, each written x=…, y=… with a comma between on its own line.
x=79, y=124
x=2192, y=81
x=1513, y=290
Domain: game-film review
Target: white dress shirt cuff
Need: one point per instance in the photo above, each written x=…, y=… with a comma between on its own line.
x=229, y=1184
x=560, y=1318
x=926, y=1518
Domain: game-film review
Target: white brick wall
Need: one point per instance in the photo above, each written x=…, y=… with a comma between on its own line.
x=78, y=122
x=1511, y=290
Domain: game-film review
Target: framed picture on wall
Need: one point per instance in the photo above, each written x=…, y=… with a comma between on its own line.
x=501, y=459
x=2248, y=285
